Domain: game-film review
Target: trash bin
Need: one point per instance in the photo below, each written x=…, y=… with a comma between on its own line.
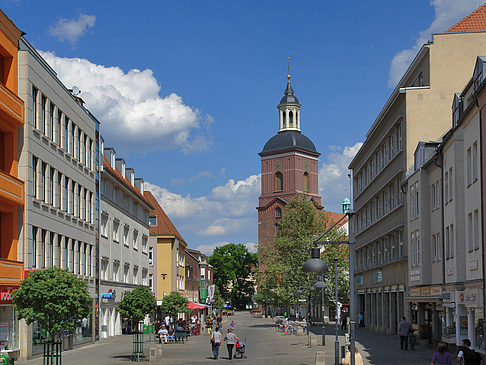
x=145, y=329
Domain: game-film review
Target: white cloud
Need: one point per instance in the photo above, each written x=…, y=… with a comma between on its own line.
x=447, y=13
x=228, y=209
x=208, y=249
x=132, y=114
x=71, y=30
x=333, y=175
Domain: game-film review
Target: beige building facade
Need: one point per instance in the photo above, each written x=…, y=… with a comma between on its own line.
x=418, y=109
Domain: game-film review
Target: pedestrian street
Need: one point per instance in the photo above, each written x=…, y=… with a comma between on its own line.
x=264, y=345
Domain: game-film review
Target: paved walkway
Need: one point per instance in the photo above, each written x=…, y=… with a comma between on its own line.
x=264, y=346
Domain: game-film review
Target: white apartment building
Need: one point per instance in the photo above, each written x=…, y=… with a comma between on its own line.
x=124, y=255
x=58, y=164
x=444, y=227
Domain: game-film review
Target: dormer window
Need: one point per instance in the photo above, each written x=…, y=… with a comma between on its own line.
x=457, y=107
x=153, y=220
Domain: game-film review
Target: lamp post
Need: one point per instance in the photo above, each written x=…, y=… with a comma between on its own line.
x=314, y=264
x=321, y=284
x=336, y=341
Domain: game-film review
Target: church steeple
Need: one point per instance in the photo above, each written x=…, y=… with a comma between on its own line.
x=289, y=110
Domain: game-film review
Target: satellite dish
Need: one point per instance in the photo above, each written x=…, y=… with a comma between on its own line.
x=76, y=90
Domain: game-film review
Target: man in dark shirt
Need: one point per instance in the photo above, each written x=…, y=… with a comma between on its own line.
x=403, y=332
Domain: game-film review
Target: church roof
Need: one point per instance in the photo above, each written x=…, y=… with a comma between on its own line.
x=289, y=140
x=474, y=22
x=164, y=224
x=289, y=97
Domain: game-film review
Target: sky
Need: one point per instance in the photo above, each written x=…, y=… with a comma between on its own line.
x=186, y=91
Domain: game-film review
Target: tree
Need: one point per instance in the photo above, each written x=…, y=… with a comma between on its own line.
x=282, y=280
x=233, y=267
x=136, y=304
x=56, y=299
x=174, y=303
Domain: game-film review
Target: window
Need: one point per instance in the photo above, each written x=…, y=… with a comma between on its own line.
x=447, y=243
x=35, y=161
x=151, y=282
x=135, y=275
x=306, y=182
x=476, y=229
x=135, y=239
x=446, y=187
x=51, y=186
x=43, y=115
x=144, y=277
x=116, y=226
x=51, y=121
x=475, y=162
x=51, y=249
x=278, y=212
x=150, y=255
x=42, y=249
x=125, y=235
x=450, y=184
x=152, y=220
x=126, y=269
x=104, y=223
x=34, y=247
x=400, y=243
x=420, y=79
x=399, y=136
x=104, y=269
x=468, y=167
x=58, y=127
x=116, y=267
x=470, y=232
x=35, y=94
x=278, y=181
x=58, y=251
x=144, y=243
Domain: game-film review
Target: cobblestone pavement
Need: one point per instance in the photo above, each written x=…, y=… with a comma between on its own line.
x=264, y=346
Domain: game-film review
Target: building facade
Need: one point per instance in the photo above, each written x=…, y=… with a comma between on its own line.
x=418, y=109
x=58, y=165
x=11, y=187
x=124, y=256
x=168, y=250
x=192, y=275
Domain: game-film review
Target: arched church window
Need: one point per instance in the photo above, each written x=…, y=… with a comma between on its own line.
x=291, y=119
x=278, y=212
x=306, y=182
x=278, y=181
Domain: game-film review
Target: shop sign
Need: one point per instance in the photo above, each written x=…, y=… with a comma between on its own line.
x=472, y=297
x=378, y=276
x=359, y=280
x=6, y=294
x=436, y=290
x=446, y=297
x=110, y=295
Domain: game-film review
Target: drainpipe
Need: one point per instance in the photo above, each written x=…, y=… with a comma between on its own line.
x=439, y=162
x=482, y=203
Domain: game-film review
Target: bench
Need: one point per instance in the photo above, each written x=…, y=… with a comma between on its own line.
x=180, y=336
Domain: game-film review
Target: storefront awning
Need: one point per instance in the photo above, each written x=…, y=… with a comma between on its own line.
x=193, y=306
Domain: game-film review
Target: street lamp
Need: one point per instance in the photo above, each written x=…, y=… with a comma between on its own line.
x=321, y=284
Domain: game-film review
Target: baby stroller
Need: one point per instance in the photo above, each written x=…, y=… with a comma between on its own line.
x=240, y=349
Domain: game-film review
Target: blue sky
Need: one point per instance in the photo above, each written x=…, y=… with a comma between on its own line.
x=186, y=91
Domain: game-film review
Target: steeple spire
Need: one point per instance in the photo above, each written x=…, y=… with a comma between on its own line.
x=289, y=108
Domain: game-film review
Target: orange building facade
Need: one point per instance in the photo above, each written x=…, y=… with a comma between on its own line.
x=11, y=188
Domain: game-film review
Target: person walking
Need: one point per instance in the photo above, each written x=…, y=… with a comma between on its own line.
x=441, y=356
x=358, y=360
x=216, y=342
x=403, y=331
x=467, y=354
x=360, y=320
x=230, y=340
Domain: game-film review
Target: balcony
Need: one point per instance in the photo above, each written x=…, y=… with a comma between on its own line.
x=11, y=272
x=11, y=106
x=11, y=188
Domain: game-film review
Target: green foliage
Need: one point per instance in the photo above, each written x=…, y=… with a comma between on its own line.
x=282, y=280
x=233, y=267
x=55, y=298
x=218, y=300
x=174, y=303
x=137, y=303
x=342, y=254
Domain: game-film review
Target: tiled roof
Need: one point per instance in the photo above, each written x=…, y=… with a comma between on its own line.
x=125, y=181
x=164, y=225
x=474, y=22
x=334, y=217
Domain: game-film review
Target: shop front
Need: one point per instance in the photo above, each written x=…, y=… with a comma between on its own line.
x=9, y=324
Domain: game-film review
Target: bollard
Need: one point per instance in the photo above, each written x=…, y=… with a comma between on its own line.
x=312, y=340
x=320, y=358
x=343, y=352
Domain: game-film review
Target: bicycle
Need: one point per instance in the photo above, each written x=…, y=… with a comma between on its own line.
x=412, y=339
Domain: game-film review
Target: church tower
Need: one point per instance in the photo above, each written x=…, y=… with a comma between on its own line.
x=289, y=165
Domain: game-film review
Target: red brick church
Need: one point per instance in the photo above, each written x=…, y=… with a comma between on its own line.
x=289, y=165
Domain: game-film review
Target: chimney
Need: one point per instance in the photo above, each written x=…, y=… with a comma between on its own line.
x=120, y=165
x=110, y=155
x=130, y=175
x=139, y=184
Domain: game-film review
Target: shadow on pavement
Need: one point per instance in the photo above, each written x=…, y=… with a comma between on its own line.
x=262, y=325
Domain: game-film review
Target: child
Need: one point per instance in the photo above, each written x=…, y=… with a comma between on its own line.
x=232, y=325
